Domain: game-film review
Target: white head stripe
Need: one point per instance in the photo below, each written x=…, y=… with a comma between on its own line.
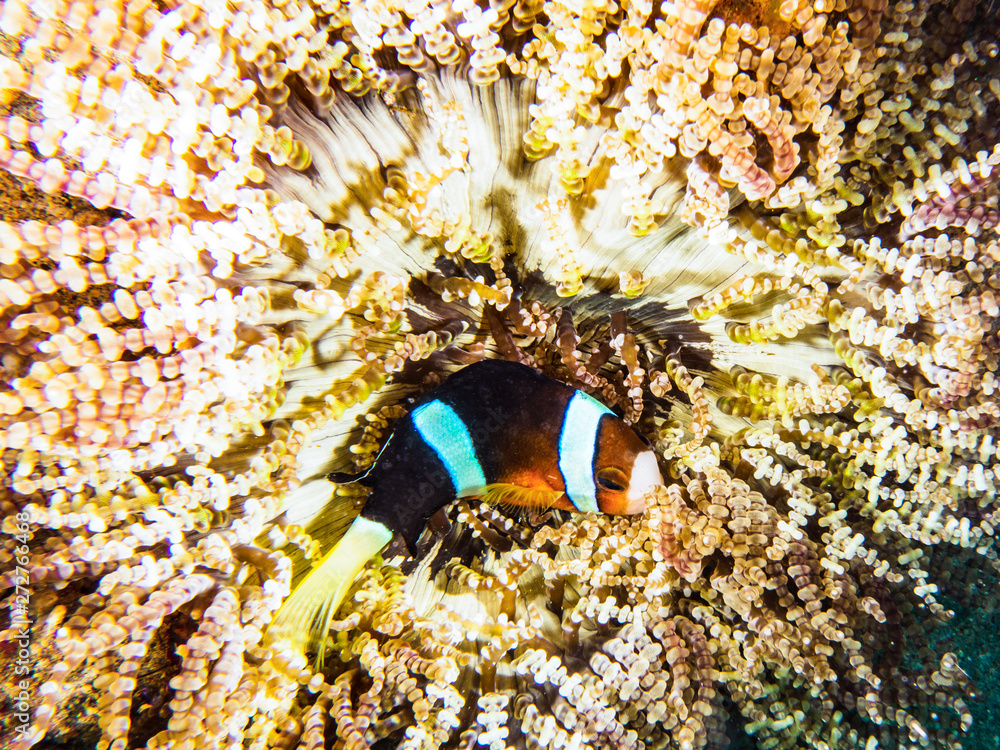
x=645, y=476
x=443, y=430
x=577, y=444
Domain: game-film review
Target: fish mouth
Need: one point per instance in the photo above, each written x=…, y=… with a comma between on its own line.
x=645, y=477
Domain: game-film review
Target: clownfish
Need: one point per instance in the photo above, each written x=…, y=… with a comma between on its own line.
x=497, y=430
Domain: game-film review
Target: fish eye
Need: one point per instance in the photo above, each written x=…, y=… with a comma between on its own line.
x=612, y=478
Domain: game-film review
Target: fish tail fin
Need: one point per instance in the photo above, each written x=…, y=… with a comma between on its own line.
x=500, y=494
x=304, y=618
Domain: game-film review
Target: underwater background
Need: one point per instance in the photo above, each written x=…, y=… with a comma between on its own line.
x=238, y=239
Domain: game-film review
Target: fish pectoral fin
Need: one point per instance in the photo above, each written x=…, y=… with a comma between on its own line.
x=500, y=493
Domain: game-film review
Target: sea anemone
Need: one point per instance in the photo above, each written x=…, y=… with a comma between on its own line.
x=238, y=236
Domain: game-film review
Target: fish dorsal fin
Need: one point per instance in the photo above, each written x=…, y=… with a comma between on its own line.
x=343, y=477
x=513, y=494
x=362, y=477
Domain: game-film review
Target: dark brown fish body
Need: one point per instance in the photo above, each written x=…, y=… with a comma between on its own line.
x=496, y=430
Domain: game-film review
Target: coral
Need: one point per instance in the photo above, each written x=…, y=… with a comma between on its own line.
x=236, y=237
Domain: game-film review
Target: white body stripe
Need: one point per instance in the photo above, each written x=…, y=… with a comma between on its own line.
x=444, y=431
x=577, y=444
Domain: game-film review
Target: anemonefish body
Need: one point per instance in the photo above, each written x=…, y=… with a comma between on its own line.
x=496, y=430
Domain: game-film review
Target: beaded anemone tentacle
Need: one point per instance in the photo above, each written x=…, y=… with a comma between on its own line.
x=237, y=236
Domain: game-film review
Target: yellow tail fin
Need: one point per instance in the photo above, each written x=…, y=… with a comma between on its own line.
x=304, y=618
